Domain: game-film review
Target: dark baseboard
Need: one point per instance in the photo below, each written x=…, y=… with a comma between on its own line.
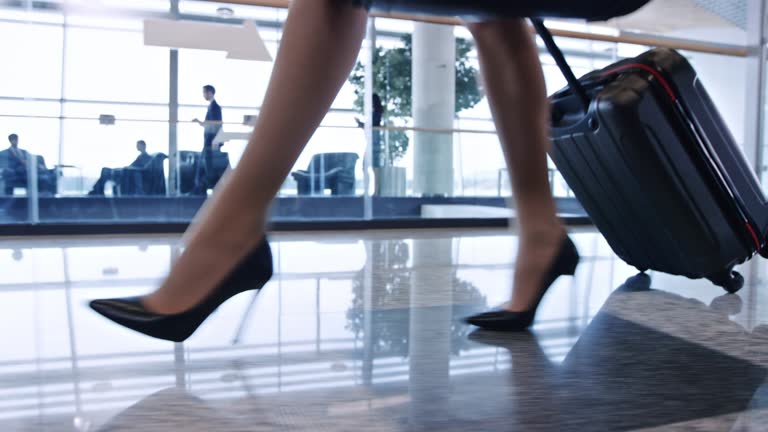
x=67, y=229
x=169, y=215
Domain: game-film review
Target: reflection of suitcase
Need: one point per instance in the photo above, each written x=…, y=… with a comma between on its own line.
x=680, y=366
x=656, y=168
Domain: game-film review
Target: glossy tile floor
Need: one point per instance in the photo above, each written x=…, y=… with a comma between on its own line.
x=362, y=332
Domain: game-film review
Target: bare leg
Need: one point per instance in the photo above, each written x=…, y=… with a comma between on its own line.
x=516, y=91
x=320, y=43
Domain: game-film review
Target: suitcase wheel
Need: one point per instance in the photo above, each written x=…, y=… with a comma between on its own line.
x=764, y=252
x=735, y=284
x=731, y=281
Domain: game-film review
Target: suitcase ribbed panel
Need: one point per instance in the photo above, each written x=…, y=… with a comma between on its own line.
x=575, y=155
x=653, y=178
x=595, y=183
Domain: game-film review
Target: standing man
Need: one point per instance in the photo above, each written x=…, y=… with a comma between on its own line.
x=211, y=127
x=378, y=113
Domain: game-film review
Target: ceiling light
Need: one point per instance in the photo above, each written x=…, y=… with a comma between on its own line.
x=225, y=12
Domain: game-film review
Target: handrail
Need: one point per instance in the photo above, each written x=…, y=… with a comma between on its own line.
x=693, y=46
x=435, y=131
x=138, y=120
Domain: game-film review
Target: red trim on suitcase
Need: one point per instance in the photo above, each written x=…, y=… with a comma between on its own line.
x=648, y=69
x=754, y=237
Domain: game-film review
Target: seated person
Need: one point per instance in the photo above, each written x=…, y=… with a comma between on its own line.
x=13, y=163
x=114, y=174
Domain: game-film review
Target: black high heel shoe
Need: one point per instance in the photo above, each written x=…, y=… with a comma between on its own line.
x=253, y=272
x=565, y=264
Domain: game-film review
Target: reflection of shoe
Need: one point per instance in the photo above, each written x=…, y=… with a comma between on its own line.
x=637, y=283
x=252, y=273
x=727, y=305
x=501, y=340
x=503, y=320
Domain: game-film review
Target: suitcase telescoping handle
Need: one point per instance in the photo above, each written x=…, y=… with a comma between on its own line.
x=555, y=52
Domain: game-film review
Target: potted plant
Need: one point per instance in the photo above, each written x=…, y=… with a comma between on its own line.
x=392, y=71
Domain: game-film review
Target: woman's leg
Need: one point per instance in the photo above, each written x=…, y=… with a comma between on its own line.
x=321, y=40
x=514, y=81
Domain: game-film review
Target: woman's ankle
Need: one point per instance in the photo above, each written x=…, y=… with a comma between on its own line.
x=543, y=233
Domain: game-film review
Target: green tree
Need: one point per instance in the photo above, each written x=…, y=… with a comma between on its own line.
x=393, y=83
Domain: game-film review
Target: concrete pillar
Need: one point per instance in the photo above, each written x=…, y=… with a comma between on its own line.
x=434, y=101
x=174, y=184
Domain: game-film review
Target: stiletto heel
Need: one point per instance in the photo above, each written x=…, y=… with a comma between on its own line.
x=565, y=264
x=253, y=272
x=571, y=271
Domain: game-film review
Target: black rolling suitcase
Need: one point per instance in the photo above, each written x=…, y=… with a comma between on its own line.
x=647, y=154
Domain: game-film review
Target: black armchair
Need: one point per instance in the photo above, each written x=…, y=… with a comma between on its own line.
x=334, y=171
x=15, y=175
x=188, y=162
x=146, y=180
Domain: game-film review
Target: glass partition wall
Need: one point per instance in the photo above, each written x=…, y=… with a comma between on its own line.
x=84, y=84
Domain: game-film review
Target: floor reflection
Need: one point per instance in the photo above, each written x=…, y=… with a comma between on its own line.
x=365, y=334
x=623, y=375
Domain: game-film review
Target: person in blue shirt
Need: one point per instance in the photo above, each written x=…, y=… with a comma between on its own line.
x=378, y=114
x=204, y=178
